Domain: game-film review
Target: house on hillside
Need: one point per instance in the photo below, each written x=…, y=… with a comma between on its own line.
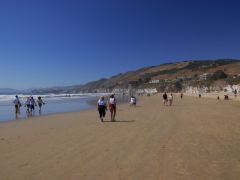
x=154, y=81
x=205, y=76
x=101, y=90
x=133, y=82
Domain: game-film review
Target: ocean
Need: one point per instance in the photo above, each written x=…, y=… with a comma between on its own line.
x=55, y=103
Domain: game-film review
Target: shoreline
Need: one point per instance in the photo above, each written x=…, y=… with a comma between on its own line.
x=211, y=95
x=92, y=108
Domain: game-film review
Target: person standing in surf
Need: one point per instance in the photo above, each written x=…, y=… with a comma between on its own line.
x=17, y=104
x=32, y=104
x=27, y=104
x=40, y=103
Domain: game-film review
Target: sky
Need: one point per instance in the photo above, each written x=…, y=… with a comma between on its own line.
x=45, y=43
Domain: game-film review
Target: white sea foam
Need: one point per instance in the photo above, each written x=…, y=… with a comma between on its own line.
x=9, y=98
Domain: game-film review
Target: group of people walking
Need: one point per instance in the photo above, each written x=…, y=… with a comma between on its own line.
x=103, y=105
x=30, y=104
x=167, y=100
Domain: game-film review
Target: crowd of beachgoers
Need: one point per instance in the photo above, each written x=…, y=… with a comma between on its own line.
x=104, y=103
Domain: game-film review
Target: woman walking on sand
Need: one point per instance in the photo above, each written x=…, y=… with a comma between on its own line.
x=112, y=107
x=102, y=107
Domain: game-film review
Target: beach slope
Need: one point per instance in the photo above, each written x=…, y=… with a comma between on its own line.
x=194, y=139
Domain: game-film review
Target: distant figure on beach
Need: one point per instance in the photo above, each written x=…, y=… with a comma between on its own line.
x=113, y=107
x=133, y=101
x=235, y=93
x=218, y=98
x=40, y=103
x=181, y=95
x=170, y=98
x=165, y=99
x=32, y=104
x=102, y=107
x=199, y=95
x=27, y=104
x=226, y=97
x=18, y=105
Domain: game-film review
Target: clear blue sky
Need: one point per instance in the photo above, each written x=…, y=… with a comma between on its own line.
x=64, y=42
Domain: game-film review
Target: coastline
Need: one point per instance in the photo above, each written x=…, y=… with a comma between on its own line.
x=89, y=104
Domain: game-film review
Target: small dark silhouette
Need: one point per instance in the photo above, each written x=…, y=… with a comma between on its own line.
x=226, y=97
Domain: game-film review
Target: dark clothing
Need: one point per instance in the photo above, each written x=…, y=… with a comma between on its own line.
x=165, y=96
x=32, y=107
x=102, y=111
x=17, y=109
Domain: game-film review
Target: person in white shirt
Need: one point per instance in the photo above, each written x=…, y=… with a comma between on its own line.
x=112, y=107
x=102, y=107
x=170, y=98
x=133, y=101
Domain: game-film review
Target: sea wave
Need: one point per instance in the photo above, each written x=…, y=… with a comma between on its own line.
x=23, y=97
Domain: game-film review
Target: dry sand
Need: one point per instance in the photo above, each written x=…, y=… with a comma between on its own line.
x=196, y=139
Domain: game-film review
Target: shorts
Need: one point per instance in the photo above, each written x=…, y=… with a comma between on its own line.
x=32, y=107
x=112, y=107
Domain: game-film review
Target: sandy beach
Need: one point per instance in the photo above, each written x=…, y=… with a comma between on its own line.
x=194, y=139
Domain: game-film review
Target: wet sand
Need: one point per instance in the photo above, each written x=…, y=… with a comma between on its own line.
x=194, y=139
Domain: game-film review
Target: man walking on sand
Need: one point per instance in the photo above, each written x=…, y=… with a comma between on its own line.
x=165, y=99
x=17, y=104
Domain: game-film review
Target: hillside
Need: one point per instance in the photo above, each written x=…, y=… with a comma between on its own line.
x=186, y=72
x=174, y=76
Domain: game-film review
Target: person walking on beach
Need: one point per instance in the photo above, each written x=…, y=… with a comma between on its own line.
x=165, y=99
x=235, y=93
x=113, y=107
x=32, y=104
x=102, y=107
x=181, y=95
x=27, y=104
x=170, y=98
x=40, y=103
x=133, y=101
x=17, y=104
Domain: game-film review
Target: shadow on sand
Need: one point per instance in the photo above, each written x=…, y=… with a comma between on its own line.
x=119, y=121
